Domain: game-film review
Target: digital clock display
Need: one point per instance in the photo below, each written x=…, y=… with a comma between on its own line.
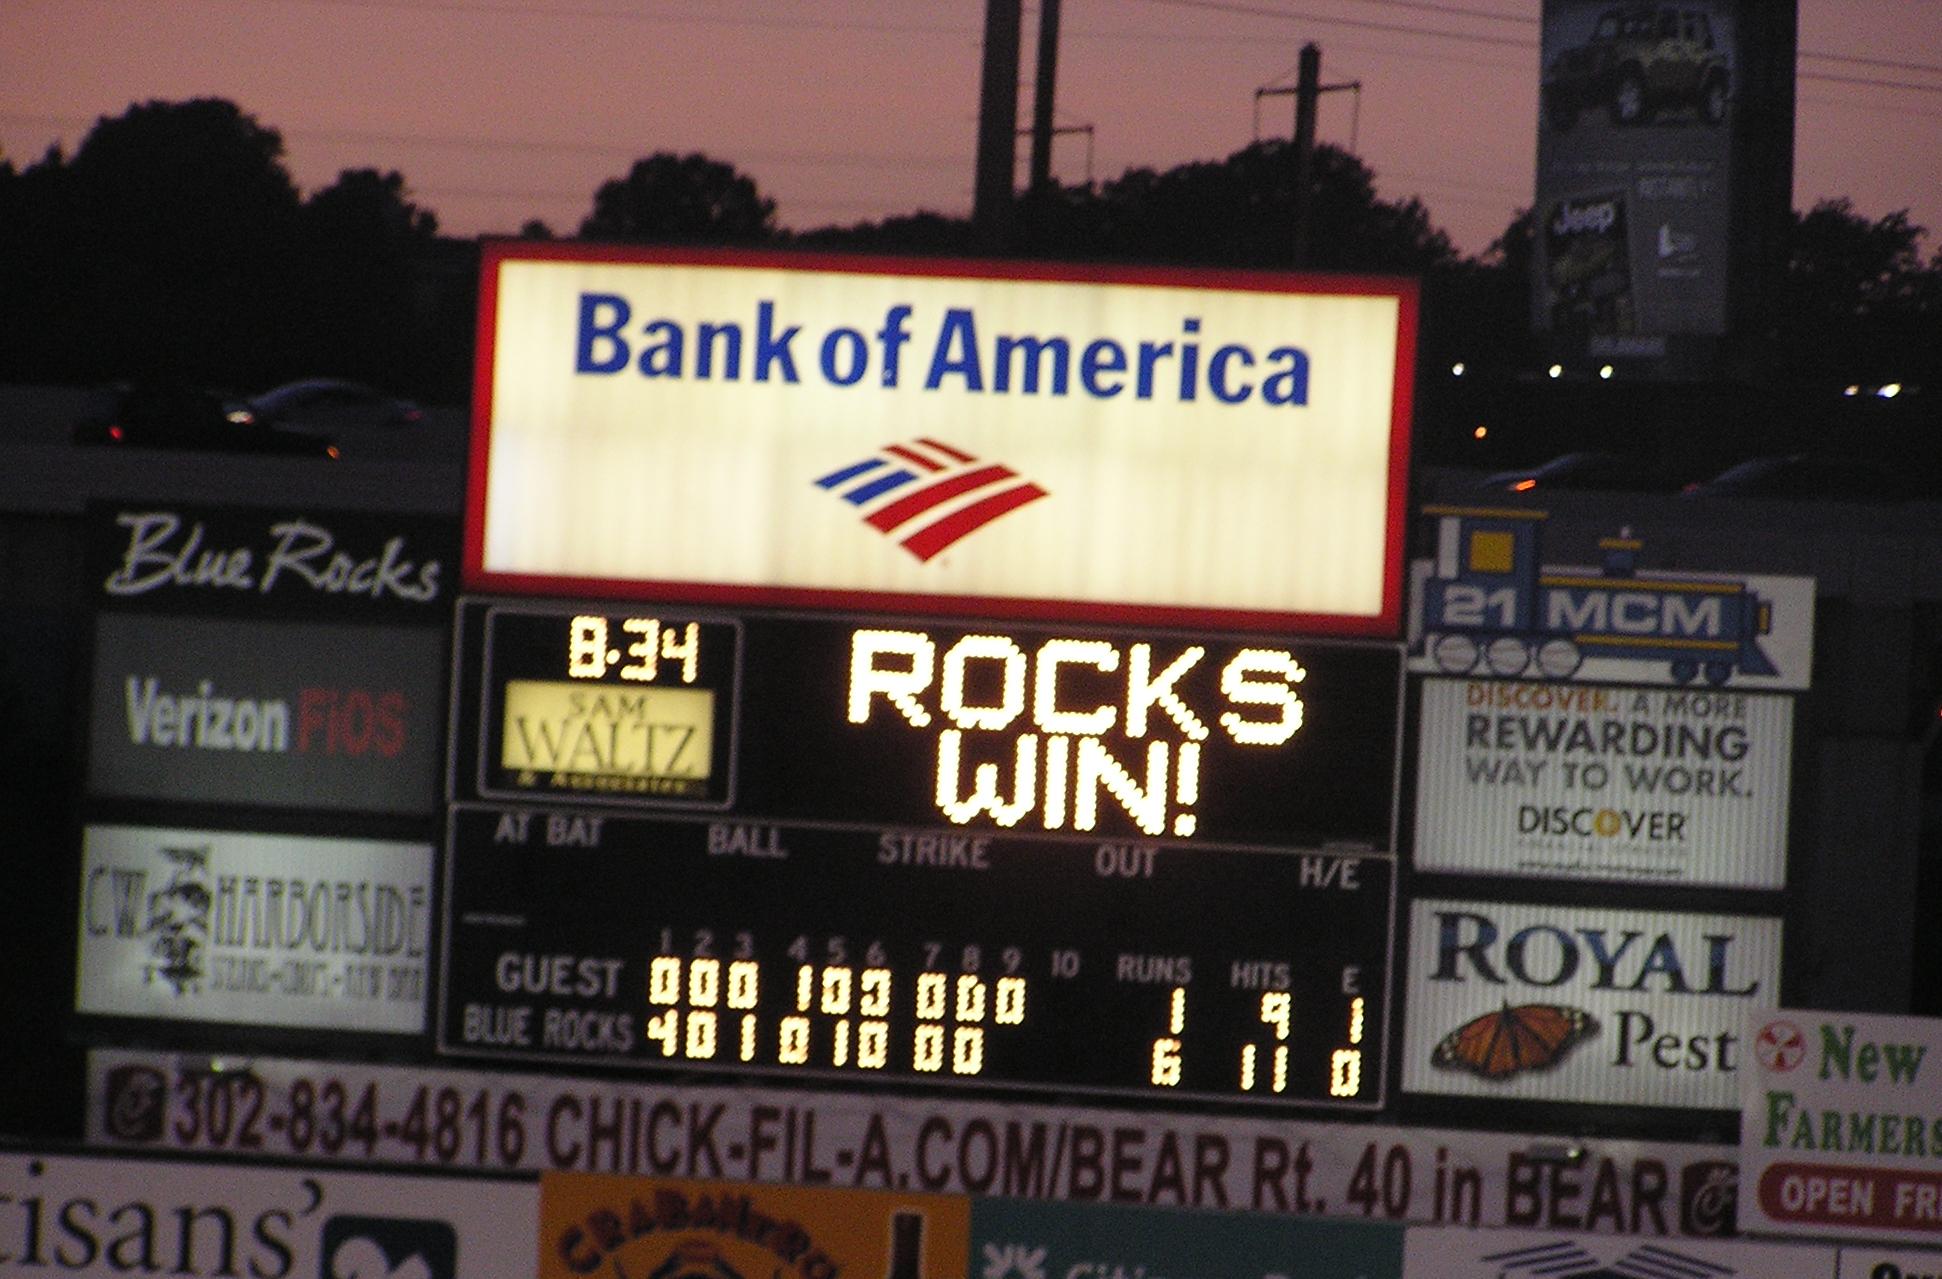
x=621, y=707
x=917, y=956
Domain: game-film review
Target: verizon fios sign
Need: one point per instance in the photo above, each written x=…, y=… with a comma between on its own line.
x=972, y=437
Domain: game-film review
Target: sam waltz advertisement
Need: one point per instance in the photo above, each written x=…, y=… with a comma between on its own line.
x=1583, y=1004
x=1582, y=781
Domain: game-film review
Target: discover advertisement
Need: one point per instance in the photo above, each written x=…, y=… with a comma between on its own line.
x=112, y=1215
x=299, y=715
x=272, y=930
x=1581, y=1003
x=1841, y=1125
x=415, y=1117
x=1653, y=785
x=984, y=438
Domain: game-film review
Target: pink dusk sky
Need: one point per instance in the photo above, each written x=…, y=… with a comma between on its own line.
x=501, y=111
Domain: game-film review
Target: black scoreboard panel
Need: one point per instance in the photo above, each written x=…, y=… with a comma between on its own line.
x=926, y=852
x=1024, y=728
x=917, y=956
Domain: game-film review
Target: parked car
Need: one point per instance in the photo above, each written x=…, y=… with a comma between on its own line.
x=1585, y=470
x=1640, y=60
x=168, y=415
x=332, y=406
x=1806, y=475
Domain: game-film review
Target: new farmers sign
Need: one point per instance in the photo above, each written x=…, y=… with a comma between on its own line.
x=1841, y=1125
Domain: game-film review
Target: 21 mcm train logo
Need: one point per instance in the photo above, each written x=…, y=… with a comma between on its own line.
x=1489, y=607
x=929, y=495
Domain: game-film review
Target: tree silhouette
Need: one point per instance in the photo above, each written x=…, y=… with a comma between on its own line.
x=360, y=240
x=180, y=226
x=689, y=198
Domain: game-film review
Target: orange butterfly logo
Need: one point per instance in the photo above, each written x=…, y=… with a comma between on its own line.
x=1511, y=1040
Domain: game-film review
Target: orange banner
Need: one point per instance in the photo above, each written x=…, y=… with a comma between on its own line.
x=645, y=1228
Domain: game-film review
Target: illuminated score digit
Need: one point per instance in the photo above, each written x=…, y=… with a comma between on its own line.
x=1277, y=1011
x=1167, y=1063
x=1345, y=1064
x=700, y=994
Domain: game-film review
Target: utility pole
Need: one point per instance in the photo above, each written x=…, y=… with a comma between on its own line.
x=1308, y=91
x=1043, y=93
x=991, y=193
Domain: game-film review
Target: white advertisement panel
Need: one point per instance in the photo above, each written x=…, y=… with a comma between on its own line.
x=976, y=437
x=1841, y=1125
x=1582, y=781
x=118, y=1214
x=1489, y=603
x=415, y=1117
x=1582, y=1003
x=273, y=930
x=1430, y=1253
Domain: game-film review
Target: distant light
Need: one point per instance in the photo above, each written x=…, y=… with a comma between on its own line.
x=1556, y=370
x=241, y=417
x=116, y=433
x=1480, y=432
x=1852, y=390
x=1605, y=372
x=1523, y=486
x=1890, y=391
x=1456, y=370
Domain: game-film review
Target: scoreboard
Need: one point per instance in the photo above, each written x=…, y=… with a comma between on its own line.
x=922, y=852
x=910, y=673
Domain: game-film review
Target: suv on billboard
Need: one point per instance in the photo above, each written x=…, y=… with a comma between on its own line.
x=1640, y=59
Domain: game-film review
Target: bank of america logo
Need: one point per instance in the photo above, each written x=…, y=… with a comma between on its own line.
x=928, y=495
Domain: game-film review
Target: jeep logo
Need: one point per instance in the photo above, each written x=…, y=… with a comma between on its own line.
x=1573, y=218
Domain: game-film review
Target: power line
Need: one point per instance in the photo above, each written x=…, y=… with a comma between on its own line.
x=1334, y=20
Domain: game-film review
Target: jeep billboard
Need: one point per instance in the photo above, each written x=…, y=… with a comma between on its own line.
x=1634, y=149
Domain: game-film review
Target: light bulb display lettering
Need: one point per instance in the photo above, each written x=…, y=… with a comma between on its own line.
x=1191, y=971
x=1054, y=766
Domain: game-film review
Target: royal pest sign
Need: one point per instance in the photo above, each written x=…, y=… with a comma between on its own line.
x=967, y=437
x=1519, y=1001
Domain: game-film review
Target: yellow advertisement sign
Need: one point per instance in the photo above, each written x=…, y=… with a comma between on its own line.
x=644, y=1228
x=601, y=730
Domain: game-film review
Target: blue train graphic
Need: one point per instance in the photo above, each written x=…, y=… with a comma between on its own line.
x=1488, y=606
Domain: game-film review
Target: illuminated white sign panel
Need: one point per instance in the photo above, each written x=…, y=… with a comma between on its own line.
x=1020, y=439
x=100, y=1216
x=274, y=930
x=1585, y=1004
x=1580, y=781
x=1841, y=1126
